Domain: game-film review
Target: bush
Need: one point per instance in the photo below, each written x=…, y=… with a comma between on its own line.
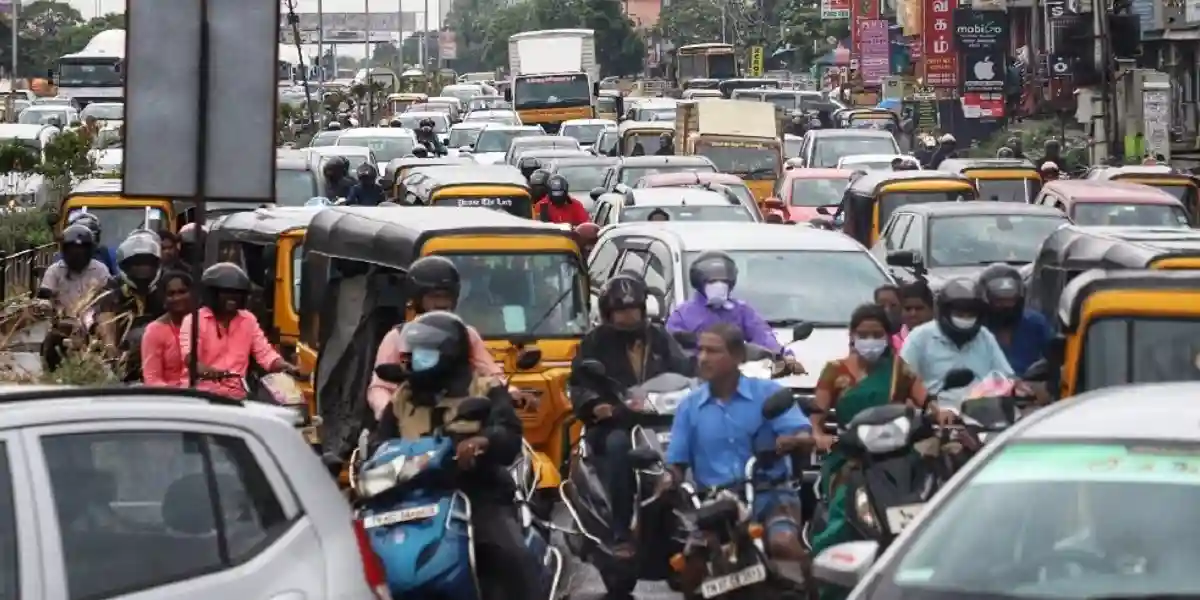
x=82, y=367
x=24, y=229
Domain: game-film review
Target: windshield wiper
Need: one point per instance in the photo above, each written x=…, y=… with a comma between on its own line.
x=785, y=322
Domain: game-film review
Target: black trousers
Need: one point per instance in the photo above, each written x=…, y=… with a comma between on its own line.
x=501, y=557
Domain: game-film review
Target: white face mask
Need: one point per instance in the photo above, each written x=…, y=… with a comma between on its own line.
x=717, y=293
x=963, y=322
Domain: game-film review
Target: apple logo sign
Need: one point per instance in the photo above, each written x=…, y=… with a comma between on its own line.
x=985, y=69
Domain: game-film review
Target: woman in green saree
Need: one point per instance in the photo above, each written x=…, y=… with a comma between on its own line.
x=871, y=375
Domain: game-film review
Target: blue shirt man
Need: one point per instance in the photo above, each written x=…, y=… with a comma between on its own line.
x=932, y=354
x=1026, y=342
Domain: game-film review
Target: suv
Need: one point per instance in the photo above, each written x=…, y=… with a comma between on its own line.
x=169, y=493
x=714, y=203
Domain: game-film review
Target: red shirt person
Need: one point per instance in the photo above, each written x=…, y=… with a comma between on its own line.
x=559, y=206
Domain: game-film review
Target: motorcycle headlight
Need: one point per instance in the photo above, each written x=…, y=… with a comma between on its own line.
x=862, y=509
x=665, y=404
x=880, y=439
x=381, y=478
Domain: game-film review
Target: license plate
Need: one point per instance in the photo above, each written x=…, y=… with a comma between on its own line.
x=403, y=515
x=898, y=517
x=719, y=585
x=664, y=437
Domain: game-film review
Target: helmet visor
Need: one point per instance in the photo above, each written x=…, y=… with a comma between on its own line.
x=715, y=269
x=421, y=336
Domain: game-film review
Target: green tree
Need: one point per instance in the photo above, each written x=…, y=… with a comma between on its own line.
x=684, y=22
x=410, y=50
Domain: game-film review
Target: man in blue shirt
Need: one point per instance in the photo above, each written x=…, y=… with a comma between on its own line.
x=719, y=427
x=956, y=339
x=1024, y=335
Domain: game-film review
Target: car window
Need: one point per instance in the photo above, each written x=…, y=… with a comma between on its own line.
x=140, y=509
x=896, y=231
x=914, y=237
x=660, y=274
x=633, y=261
x=601, y=262
x=9, y=560
x=602, y=213
x=297, y=269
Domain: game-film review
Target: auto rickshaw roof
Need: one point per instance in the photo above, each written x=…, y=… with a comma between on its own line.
x=392, y=237
x=429, y=179
x=1075, y=248
x=958, y=165
x=1108, y=173
x=966, y=209
x=97, y=187
x=870, y=182
x=263, y=226
x=1070, y=304
x=1108, y=191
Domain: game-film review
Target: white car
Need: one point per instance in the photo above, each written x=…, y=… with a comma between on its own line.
x=357, y=155
x=873, y=162
x=441, y=122
x=493, y=142
x=386, y=143
x=463, y=135
x=587, y=131
x=167, y=493
x=494, y=115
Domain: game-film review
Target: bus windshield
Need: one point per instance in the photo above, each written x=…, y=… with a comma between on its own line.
x=721, y=66
x=552, y=90
x=90, y=73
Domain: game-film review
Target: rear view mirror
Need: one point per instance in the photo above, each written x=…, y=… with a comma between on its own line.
x=596, y=193
x=392, y=372
x=528, y=358
x=778, y=403
x=958, y=378
x=644, y=458
x=844, y=565
x=473, y=409
x=802, y=331
x=903, y=258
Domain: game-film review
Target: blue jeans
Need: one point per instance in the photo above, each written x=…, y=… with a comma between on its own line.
x=767, y=505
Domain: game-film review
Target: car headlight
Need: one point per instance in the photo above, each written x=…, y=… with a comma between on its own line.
x=665, y=404
x=888, y=437
x=381, y=478
x=862, y=509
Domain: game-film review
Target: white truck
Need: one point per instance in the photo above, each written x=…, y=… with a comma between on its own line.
x=555, y=76
x=94, y=74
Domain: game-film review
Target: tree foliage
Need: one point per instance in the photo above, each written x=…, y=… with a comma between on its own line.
x=49, y=29
x=776, y=25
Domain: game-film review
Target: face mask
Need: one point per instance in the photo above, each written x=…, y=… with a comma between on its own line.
x=717, y=293
x=424, y=359
x=870, y=348
x=963, y=322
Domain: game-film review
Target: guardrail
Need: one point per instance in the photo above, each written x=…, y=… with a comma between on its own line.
x=19, y=271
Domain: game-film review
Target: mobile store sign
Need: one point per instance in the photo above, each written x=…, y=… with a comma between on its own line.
x=980, y=31
x=940, y=55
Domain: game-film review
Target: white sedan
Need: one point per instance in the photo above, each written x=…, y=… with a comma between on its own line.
x=873, y=162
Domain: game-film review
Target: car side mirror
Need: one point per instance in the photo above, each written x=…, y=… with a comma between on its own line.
x=824, y=210
x=392, y=373
x=1038, y=371
x=778, y=403
x=844, y=565
x=644, y=458
x=596, y=193
x=903, y=258
x=802, y=331
x=528, y=358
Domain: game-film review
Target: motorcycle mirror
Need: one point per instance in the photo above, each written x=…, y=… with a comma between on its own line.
x=686, y=339
x=392, y=372
x=993, y=413
x=644, y=458
x=473, y=409
x=593, y=367
x=756, y=352
x=801, y=331
x=958, y=378
x=1038, y=371
x=596, y=193
x=778, y=403
x=528, y=358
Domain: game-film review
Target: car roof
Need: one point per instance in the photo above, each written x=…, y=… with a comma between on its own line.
x=832, y=133
x=960, y=209
x=555, y=153
x=689, y=178
x=422, y=114
x=675, y=196
x=583, y=161
x=364, y=132
x=506, y=127
x=469, y=125
x=544, y=139
x=340, y=150
x=735, y=236
x=488, y=112
x=852, y=158
x=658, y=161
x=1104, y=415
x=291, y=160
x=1084, y=191
x=590, y=122
x=817, y=173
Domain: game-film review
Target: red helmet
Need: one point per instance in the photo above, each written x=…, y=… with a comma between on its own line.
x=587, y=233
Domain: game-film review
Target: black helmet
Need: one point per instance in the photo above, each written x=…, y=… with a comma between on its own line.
x=87, y=219
x=439, y=347
x=713, y=265
x=226, y=276
x=1051, y=144
x=961, y=294
x=420, y=152
x=427, y=122
x=528, y=166
x=1004, y=152
x=396, y=122
x=621, y=292
x=367, y=171
x=433, y=273
x=1003, y=282
x=539, y=177
x=557, y=187
x=77, y=235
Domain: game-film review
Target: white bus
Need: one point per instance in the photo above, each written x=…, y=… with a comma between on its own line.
x=95, y=73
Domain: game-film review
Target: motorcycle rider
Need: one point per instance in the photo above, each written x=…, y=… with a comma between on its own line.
x=441, y=374
x=131, y=299
x=1017, y=146
x=955, y=339
x=68, y=285
x=1005, y=152
x=1052, y=153
x=559, y=206
x=333, y=126
x=367, y=192
x=528, y=166
x=632, y=350
x=426, y=137
x=162, y=362
x=719, y=426
x=946, y=149
x=434, y=285
x=191, y=241
x=102, y=253
x=229, y=335
x=538, y=178
x=587, y=235
x=1023, y=334
x=337, y=180
x=1049, y=171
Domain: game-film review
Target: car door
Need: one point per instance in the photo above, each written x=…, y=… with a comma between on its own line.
x=893, y=232
x=21, y=575
x=914, y=240
x=191, y=511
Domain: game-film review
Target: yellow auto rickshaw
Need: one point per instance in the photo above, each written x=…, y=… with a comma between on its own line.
x=398, y=103
x=399, y=168
x=525, y=290
x=998, y=179
x=118, y=214
x=1125, y=326
x=645, y=134
x=1165, y=178
x=498, y=187
x=870, y=199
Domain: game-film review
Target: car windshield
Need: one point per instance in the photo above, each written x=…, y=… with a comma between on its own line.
x=893, y=200
x=751, y=162
x=500, y=140
x=795, y=297
x=648, y=141
x=1080, y=520
x=325, y=138
x=104, y=111
x=987, y=239
x=88, y=74
x=1150, y=351
x=1129, y=215
x=1003, y=190
x=656, y=114
x=500, y=118
x=629, y=175
x=517, y=294
x=38, y=116
x=441, y=123
x=828, y=150
x=117, y=223
x=791, y=147
x=463, y=136
x=586, y=134
x=294, y=187
x=818, y=192
x=583, y=178
x=689, y=213
x=385, y=148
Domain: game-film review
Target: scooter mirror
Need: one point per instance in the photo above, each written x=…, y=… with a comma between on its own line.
x=473, y=409
x=392, y=372
x=593, y=367
x=958, y=378
x=528, y=358
x=644, y=458
x=802, y=331
x=778, y=403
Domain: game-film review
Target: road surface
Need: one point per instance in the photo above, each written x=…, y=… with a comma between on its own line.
x=585, y=583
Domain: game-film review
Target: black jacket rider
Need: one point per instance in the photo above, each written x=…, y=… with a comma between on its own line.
x=611, y=347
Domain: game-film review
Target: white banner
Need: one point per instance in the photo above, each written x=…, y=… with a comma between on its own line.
x=1156, y=114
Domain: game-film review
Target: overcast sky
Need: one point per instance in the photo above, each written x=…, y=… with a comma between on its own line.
x=89, y=7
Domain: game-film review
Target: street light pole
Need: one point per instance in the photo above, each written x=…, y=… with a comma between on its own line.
x=369, y=80
x=321, y=48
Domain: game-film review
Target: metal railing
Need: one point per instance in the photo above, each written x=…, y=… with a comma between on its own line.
x=19, y=271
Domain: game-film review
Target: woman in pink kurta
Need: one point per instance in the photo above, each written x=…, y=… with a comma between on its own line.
x=162, y=361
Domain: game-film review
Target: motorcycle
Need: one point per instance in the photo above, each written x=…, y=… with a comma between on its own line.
x=649, y=409
x=725, y=541
x=537, y=532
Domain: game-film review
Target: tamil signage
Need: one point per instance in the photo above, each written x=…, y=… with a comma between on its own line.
x=876, y=50
x=861, y=10
x=835, y=9
x=940, y=55
x=983, y=71
x=976, y=30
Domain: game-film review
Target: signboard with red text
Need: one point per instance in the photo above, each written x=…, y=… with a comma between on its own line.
x=940, y=55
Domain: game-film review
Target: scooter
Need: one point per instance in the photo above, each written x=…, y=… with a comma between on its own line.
x=649, y=408
x=537, y=532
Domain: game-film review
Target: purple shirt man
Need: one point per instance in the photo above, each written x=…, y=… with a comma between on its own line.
x=696, y=315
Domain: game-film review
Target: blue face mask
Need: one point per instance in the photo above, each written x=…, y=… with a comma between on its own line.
x=424, y=359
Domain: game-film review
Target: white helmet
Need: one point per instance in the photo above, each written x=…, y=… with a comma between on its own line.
x=946, y=138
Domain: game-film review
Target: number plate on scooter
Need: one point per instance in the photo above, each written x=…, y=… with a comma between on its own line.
x=898, y=517
x=403, y=515
x=719, y=585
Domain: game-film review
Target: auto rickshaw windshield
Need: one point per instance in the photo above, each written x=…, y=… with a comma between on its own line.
x=1003, y=190
x=890, y=201
x=1119, y=351
x=117, y=223
x=510, y=294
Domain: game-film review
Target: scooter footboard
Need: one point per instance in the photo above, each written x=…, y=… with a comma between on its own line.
x=425, y=545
